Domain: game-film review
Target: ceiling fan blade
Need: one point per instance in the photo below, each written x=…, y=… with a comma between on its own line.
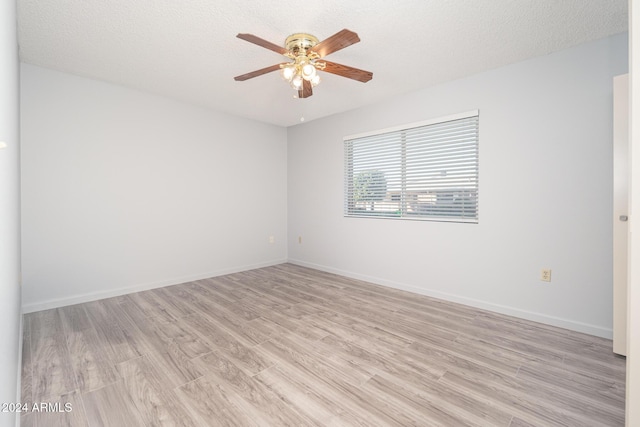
x=306, y=90
x=338, y=41
x=261, y=42
x=256, y=73
x=348, y=72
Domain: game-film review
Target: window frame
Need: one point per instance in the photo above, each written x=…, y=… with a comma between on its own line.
x=350, y=211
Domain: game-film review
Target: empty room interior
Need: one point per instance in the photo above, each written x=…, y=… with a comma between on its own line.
x=359, y=213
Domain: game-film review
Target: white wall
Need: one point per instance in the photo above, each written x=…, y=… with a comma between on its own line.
x=123, y=190
x=9, y=211
x=545, y=193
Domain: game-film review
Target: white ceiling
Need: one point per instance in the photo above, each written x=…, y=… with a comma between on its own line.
x=187, y=49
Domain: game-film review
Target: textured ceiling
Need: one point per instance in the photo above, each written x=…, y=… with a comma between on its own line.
x=187, y=49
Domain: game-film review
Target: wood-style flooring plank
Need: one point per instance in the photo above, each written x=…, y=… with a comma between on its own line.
x=214, y=405
x=157, y=404
x=136, y=341
x=233, y=346
x=224, y=290
x=432, y=412
x=579, y=384
x=362, y=359
x=92, y=369
x=368, y=328
x=295, y=351
x=188, y=341
x=204, y=314
x=517, y=422
x=176, y=307
x=260, y=397
x=327, y=404
x=117, y=344
x=348, y=387
x=178, y=368
x=52, y=369
x=112, y=406
x=148, y=304
x=308, y=402
x=75, y=318
x=443, y=401
x=504, y=393
x=144, y=332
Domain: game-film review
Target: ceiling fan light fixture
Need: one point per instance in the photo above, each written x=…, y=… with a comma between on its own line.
x=315, y=81
x=288, y=73
x=308, y=71
x=296, y=81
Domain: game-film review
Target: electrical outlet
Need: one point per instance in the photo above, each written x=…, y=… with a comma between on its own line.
x=545, y=275
x=299, y=239
x=272, y=239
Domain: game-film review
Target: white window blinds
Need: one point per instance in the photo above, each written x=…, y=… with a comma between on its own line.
x=427, y=170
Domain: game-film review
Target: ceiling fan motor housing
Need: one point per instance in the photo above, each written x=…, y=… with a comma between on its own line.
x=300, y=43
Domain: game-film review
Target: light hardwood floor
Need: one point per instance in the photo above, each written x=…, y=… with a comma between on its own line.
x=287, y=345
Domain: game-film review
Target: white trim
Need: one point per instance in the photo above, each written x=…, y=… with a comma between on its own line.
x=19, y=373
x=632, y=401
x=419, y=218
x=415, y=125
x=94, y=296
x=497, y=308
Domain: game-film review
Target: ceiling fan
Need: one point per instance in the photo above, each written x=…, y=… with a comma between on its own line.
x=307, y=54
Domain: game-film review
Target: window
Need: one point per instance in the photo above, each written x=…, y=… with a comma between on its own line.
x=426, y=170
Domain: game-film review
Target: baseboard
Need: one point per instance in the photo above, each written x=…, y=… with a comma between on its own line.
x=485, y=305
x=94, y=296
